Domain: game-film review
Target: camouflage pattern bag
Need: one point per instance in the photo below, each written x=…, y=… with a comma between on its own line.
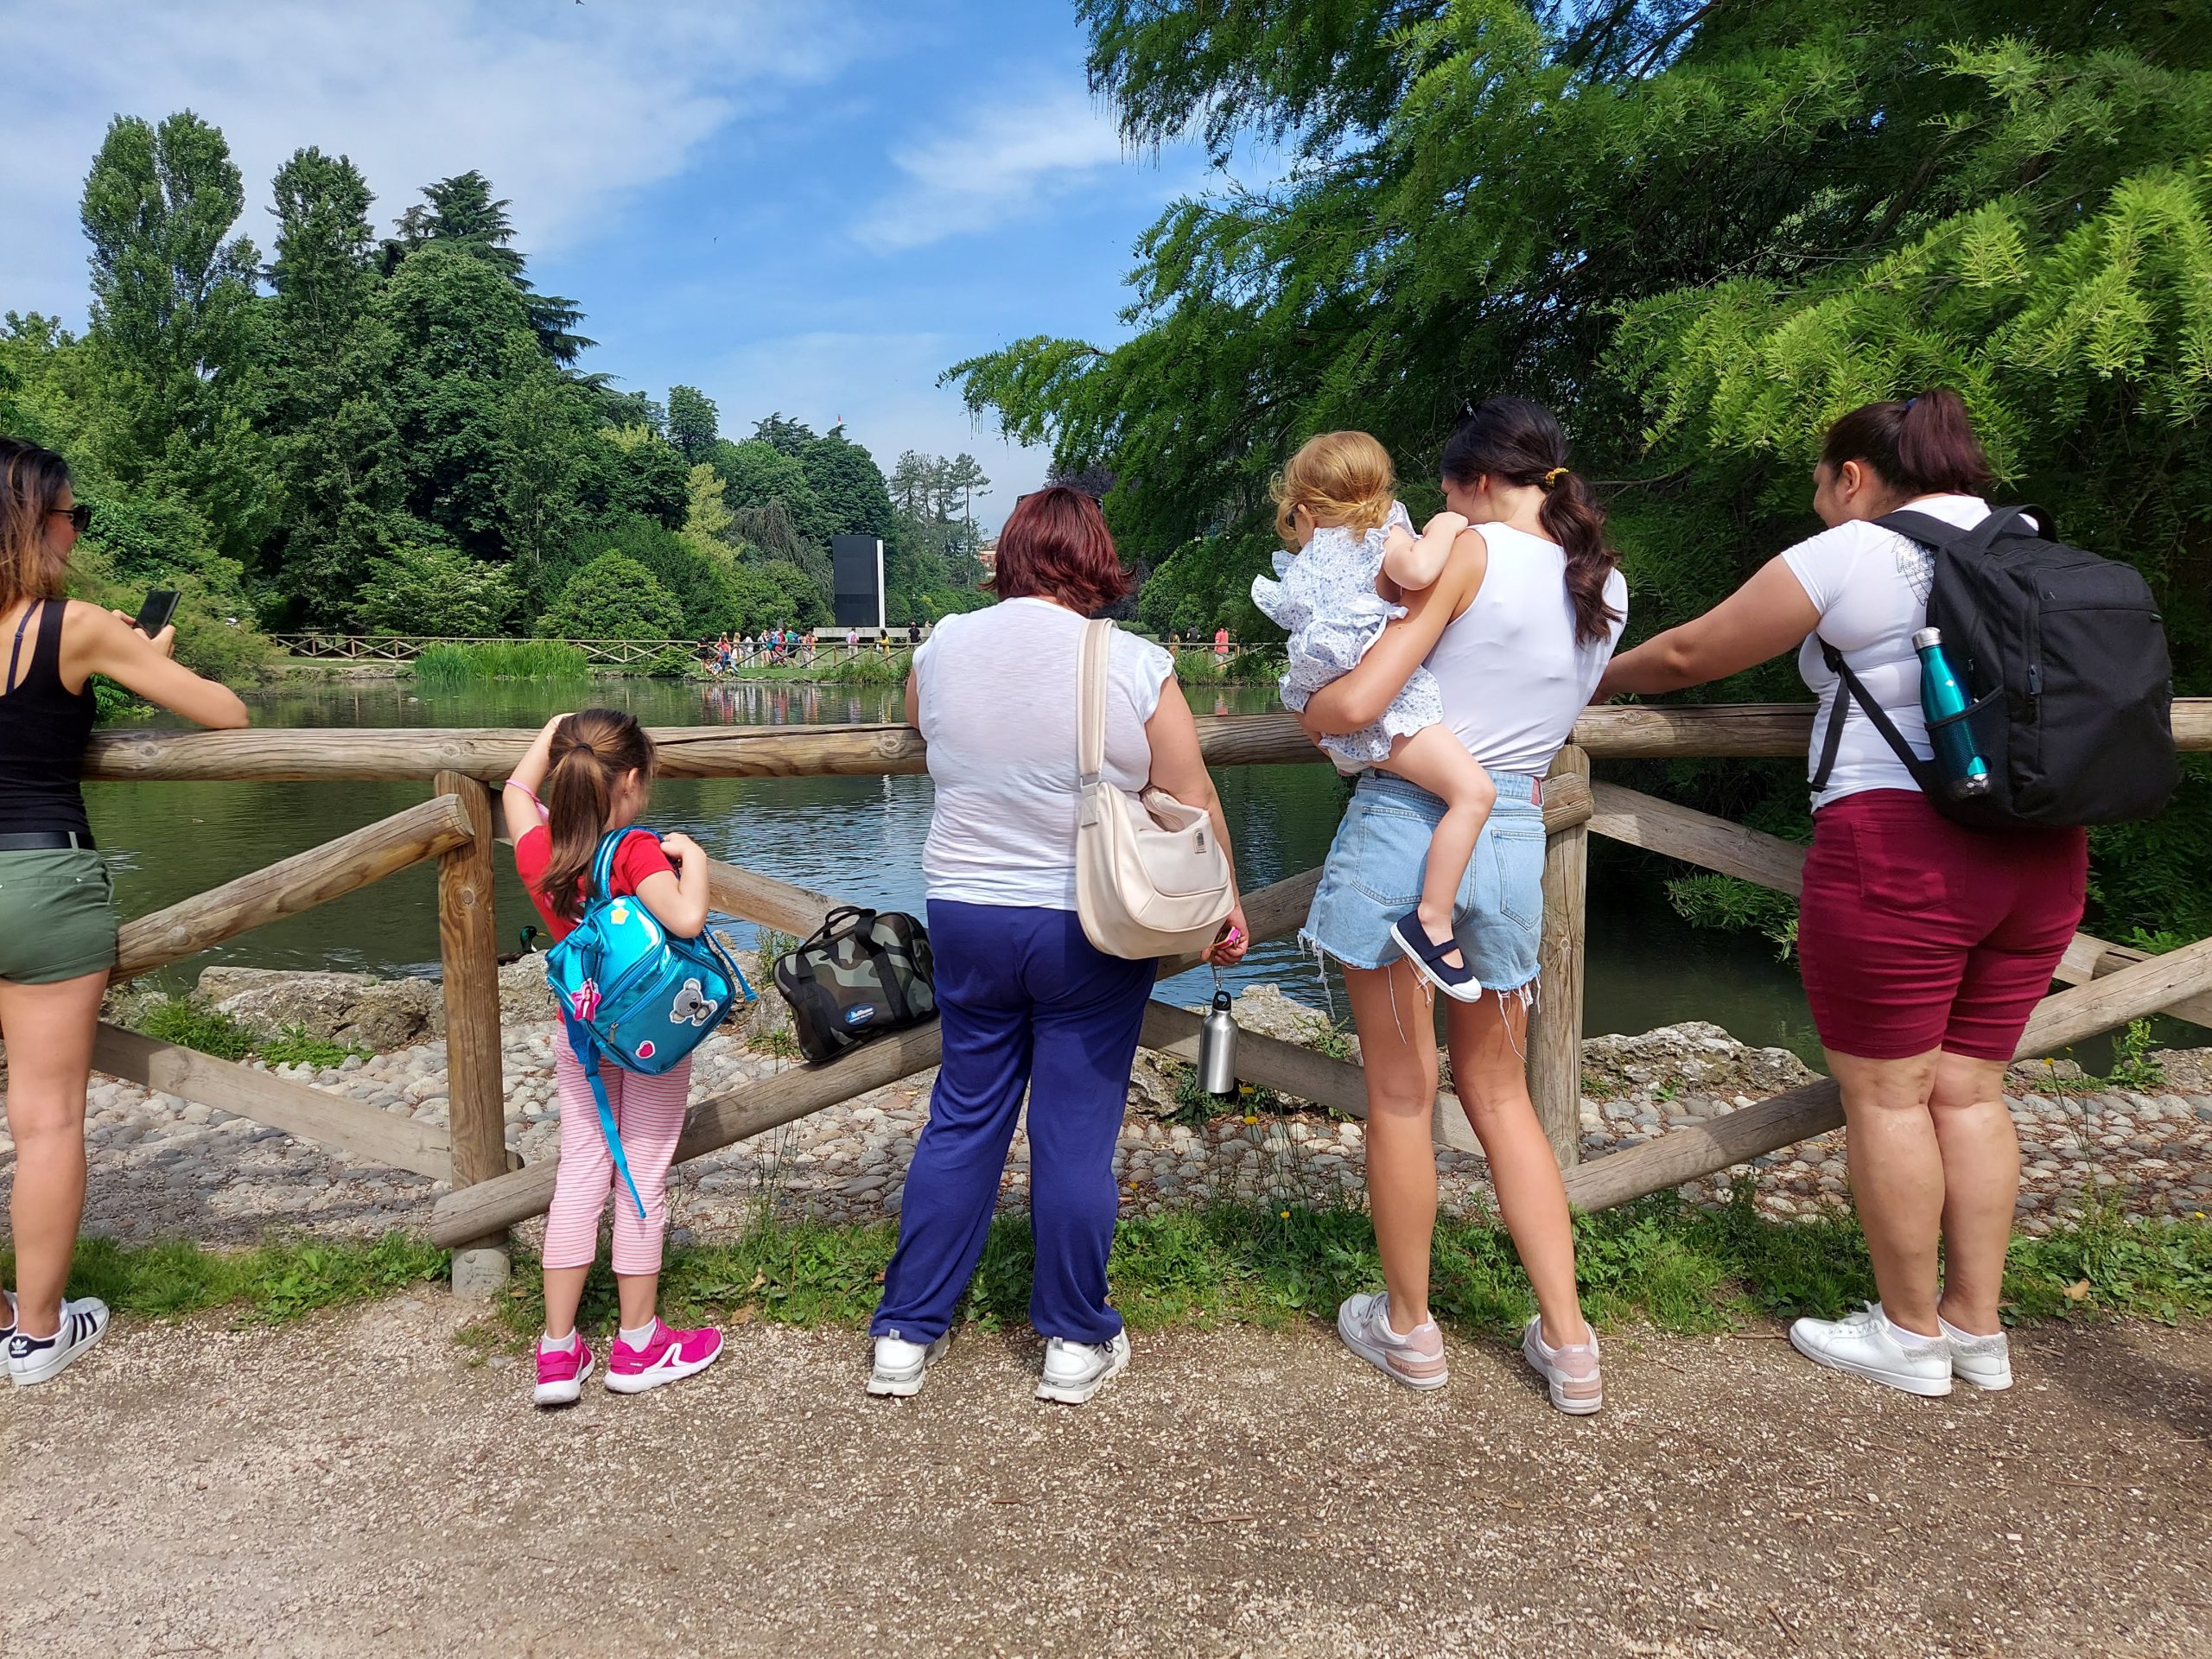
x=862, y=973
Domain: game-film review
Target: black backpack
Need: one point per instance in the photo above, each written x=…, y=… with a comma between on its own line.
x=2062, y=656
x=861, y=973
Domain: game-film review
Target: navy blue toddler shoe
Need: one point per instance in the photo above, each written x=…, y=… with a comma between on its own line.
x=1427, y=957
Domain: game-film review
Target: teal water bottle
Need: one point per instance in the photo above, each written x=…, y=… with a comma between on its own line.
x=1966, y=774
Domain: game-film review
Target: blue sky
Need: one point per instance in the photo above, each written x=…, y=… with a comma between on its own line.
x=795, y=205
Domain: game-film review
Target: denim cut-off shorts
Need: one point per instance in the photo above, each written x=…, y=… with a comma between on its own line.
x=1373, y=877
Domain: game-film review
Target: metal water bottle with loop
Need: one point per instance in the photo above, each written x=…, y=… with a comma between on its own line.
x=1944, y=701
x=1218, y=1046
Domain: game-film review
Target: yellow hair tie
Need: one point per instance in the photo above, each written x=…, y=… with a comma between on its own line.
x=1553, y=476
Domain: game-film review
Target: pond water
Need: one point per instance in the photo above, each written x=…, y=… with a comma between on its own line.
x=857, y=838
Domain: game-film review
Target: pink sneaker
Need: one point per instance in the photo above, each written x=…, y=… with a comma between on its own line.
x=667, y=1356
x=560, y=1372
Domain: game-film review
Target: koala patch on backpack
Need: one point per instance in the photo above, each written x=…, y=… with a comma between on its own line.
x=690, y=1005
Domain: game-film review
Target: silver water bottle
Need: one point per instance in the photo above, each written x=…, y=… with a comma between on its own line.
x=1217, y=1049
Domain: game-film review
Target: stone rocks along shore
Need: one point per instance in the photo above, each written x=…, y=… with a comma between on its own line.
x=164, y=1168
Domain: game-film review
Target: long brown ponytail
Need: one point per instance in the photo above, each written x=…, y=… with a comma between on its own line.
x=591, y=750
x=1517, y=441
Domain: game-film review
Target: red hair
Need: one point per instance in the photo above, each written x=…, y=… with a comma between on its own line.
x=1055, y=546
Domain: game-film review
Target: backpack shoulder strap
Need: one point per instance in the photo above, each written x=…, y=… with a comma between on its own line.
x=603, y=861
x=1931, y=531
x=1849, y=684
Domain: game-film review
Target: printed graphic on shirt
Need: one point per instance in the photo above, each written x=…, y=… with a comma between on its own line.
x=1916, y=567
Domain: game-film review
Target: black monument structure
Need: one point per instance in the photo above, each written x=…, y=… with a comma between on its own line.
x=857, y=562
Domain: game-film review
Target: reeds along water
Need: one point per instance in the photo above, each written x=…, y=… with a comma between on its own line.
x=518, y=659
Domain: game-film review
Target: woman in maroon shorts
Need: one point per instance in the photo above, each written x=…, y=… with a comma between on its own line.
x=1924, y=945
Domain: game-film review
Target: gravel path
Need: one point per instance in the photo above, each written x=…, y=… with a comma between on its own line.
x=361, y=1485
x=164, y=1168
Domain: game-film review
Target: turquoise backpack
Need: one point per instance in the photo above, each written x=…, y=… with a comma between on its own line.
x=631, y=992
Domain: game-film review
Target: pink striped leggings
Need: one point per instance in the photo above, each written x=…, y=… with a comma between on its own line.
x=649, y=1112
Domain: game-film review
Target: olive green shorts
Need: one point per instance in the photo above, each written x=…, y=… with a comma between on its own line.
x=57, y=916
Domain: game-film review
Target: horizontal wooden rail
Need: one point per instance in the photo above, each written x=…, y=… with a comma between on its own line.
x=314, y=877
x=367, y=1131
x=1616, y=731
x=1717, y=1143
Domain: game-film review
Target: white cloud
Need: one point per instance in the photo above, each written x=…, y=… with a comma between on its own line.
x=567, y=108
x=885, y=390
x=1007, y=162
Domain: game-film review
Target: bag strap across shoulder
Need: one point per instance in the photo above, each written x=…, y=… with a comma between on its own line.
x=1091, y=665
x=1850, y=688
x=602, y=859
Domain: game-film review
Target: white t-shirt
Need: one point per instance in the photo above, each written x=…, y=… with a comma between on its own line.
x=1870, y=586
x=998, y=709
x=1513, y=676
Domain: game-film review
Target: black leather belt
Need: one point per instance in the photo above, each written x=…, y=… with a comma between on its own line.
x=46, y=841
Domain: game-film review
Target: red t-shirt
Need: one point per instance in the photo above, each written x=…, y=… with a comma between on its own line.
x=638, y=856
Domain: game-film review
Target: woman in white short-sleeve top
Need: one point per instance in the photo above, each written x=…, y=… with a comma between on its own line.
x=1924, y=945
x=1027, y=1003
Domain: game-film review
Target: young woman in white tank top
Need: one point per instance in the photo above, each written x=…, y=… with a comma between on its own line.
x=1516, y=632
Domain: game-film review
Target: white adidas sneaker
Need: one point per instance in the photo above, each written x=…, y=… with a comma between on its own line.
x=1866, y=1344
x=1076, y=1370
x=899, y=1365
x=1985, y=1361
x=33, y=1360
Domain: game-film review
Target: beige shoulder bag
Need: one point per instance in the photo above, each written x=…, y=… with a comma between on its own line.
x=1151, y=879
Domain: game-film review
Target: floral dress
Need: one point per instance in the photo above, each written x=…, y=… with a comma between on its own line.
x=1326, y=598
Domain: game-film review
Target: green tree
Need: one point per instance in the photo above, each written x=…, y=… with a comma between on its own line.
x=332, y=362
x=613, y=597
x=460, y=214
x=173, y=333
x=850, y=485
x=436, y=590
x=1698, y=231
x=691, y=422
x=790, y=436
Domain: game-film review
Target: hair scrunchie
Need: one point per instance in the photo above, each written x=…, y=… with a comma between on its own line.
x=1553, y=476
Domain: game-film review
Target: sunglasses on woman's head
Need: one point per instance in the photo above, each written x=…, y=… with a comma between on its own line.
x=80, y=516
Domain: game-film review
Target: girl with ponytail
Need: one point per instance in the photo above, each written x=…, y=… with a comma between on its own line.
x=587, y=774
x=1513, y=632
x=1924, y=945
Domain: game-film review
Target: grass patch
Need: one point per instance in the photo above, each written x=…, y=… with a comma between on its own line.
x=190, y=1023
x=269, y=1283
x=446, y=666
x=871, y=667
x=1662, y=1263
x=293, y=1046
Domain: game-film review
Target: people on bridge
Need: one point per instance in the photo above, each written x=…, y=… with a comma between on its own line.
x=1351, y=542
x=588, y=773
x=57, y=913
x=1027, y=1003
x=1924, y=945
x=1516, y=632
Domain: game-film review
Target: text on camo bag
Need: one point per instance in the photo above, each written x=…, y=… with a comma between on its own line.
x=631, y=992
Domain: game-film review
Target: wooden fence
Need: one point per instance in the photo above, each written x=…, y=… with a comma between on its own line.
x=600, y=653
x=2107, y=984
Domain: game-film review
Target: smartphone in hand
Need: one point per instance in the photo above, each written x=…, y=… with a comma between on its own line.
x=155, y=614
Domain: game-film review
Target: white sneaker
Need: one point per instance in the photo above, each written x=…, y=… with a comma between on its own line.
x=1578, y=1387
x=900, y=1365
x=1866, y=1344
x=40, y=1359
x=1076, y=1370
x=1985, y=1361
x=1414, y=1357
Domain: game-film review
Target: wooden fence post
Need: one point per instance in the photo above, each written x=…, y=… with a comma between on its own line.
x=476, y=1092
x=1555, y=1030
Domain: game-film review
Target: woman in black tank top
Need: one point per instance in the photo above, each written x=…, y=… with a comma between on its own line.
x=57, y=918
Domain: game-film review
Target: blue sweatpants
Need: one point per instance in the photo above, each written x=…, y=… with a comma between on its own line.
x=1026, y=1003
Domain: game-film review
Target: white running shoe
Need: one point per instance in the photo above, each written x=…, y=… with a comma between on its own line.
x=900, y=1365
x=40, y=1359
x=1076, y=1370
x=1985, y=1361
x=1578, y=1387
x=1866, y=1344
x=1414, y=1357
